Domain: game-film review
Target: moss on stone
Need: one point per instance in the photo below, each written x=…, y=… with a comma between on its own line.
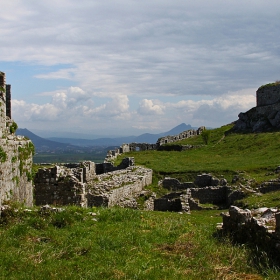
x=277, y=83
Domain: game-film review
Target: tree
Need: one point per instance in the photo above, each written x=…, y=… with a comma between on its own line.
x=205, y=134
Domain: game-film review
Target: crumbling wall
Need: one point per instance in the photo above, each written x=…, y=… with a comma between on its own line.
x=111, y=188
x=80, y=184
x=268, y=94
x=266, y=115
x=175, y=202
x=183, y=135
x=59, y=186
x=174, y=184
x=125, y=148
x=15, y=155
x=214, y=195
x=259, y=227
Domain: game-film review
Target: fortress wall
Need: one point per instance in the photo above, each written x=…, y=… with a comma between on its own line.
x=2, y=104
x=15, y=155
x=268, y=95
x=15, y=171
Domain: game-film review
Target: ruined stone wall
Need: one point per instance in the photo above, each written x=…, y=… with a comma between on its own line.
x=81, y=185
x=268, y=95
x=125, y=148
x=15, y=155
x=59, y=186
x=15, y=170
x=266, y=115
x=174, y=184
x=112, y=188
x=2, y=103
x=259, y=228
x=214, y=195
x=184, y=135
x=270, y=186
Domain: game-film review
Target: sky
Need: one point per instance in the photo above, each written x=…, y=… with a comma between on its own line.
x=118, y=68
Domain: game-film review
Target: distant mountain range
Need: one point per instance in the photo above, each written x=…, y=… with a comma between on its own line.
x=57, y=143
x=143, y=138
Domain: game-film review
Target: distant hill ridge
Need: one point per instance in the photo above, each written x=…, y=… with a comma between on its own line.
x=72, y=143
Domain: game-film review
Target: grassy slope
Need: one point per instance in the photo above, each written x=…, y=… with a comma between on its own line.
x=254, y=155
x=121, y=244
x=128, y=244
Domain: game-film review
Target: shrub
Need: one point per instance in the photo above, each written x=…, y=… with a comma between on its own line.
x=13, y=127
x=206, y=136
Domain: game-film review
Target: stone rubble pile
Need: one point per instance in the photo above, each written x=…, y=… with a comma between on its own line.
x=260, y=227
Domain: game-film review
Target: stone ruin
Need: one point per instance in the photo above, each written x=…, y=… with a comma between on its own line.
x=89, y=184
x=266, y=115
x=192, y=195
x=132, y=147
x=15, y=154
x=259, y=227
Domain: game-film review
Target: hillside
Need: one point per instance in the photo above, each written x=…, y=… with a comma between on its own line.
x=255, y=156
x=42, y=143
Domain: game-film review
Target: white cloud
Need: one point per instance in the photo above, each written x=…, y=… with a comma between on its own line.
x=115, y=53
x=147, y=107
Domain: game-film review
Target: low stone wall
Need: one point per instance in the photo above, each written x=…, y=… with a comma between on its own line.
x=113, y=187
x=181, y=136
x=125, y=148
x=174, y=184
x=176, y=201
x=190, y=196
x=260, y=228
x=214, y=195
x=269, y=186
x=79, y=184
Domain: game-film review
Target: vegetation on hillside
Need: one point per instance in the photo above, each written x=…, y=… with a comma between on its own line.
x=250, y=156
x=116, y=243
x=120, y=243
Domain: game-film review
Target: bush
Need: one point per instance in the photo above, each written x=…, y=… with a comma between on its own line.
x=206, y=136
x=13, y=127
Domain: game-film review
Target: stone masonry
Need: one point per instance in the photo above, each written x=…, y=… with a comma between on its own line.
x=189, y=195
x=259, y=227
x=85, y=185
x=266, y=115
x=125, y=148
x=15, y=155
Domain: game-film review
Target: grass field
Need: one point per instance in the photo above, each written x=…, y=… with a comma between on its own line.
x=122, y=244
x=115, y=243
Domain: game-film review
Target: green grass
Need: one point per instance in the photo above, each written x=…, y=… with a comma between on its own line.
x=252, y=156
x=121, y=244
x=271, y=199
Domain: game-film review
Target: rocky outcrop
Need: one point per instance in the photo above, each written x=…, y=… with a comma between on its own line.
x=266, y=115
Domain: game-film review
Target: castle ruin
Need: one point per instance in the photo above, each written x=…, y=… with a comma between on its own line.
x=15, y=154
x=266, y=115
